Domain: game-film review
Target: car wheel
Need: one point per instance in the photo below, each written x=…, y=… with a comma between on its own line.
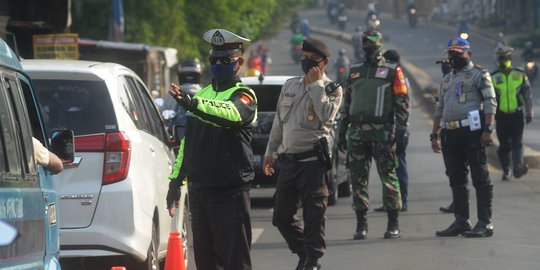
x=152, y=261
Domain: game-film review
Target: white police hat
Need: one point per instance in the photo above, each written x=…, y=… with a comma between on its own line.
x=224, y=42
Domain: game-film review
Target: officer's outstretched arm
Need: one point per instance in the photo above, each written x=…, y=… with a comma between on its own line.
x=239, y=110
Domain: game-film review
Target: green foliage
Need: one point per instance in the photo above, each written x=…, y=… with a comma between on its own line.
x=181, y=23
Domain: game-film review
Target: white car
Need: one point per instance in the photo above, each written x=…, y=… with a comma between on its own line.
x=112, y=201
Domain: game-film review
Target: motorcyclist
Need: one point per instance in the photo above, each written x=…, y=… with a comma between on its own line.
x=342, y=66
x=357, y=44
x=304, y=28
x=372, y=11
x=189, y=77
x=528, y=51
x=296, y=46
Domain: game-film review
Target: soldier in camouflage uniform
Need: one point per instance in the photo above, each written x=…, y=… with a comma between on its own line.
x=375, y=112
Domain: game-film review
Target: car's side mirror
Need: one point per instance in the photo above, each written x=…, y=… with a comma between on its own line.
x=8, y=234
x=62, y=145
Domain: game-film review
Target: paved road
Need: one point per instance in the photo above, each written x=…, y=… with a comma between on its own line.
x=515, y=245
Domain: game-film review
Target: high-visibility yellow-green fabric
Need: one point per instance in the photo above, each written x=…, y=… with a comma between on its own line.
x=507, y=87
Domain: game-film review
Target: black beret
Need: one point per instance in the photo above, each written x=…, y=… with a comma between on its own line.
x=315, y=46
x=393, y=56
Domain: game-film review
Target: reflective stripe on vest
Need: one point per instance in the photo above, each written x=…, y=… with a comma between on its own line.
x=209, y=93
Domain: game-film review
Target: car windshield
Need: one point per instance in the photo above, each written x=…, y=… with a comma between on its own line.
x=267, y=97
x=82, y=106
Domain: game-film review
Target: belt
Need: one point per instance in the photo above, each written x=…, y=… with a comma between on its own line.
x=297, y=156
x=456, y=124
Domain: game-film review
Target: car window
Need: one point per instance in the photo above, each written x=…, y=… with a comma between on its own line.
x=267, y=97
x=155, y=119
x=128, y=103
x=80, y=105
x=146, y=125
x=11, y=157
x=23, y=126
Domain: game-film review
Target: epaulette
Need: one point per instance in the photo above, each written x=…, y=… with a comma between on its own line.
x=390, y=64
x=480, y=67
x=294, y=78
x=357, y=64
x=519, y=69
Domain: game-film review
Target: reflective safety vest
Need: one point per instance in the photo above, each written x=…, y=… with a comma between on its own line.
x=215, y=155
x=372, y=99
x=508, y=89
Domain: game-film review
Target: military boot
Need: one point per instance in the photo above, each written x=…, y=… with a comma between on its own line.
x=392, y=230
x=506, y=175
x=361, y=225
x=484, y=227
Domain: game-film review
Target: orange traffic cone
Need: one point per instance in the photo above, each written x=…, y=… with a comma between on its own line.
x=118, y=268
x=175, y=253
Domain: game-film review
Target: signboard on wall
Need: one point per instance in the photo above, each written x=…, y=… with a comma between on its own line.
x=56, y=46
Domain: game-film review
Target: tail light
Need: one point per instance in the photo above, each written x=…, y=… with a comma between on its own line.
x=90, y=143
x=117, y=157
x=341, y=70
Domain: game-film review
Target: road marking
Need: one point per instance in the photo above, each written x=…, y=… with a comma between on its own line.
x=255, y=234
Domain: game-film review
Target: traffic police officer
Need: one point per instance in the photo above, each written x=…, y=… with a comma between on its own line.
x=306, y=110
x=217, y=158
x=514, y=98
x=465, y=113
x=375, y=113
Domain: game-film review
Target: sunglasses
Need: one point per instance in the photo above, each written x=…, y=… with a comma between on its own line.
x=223, y=59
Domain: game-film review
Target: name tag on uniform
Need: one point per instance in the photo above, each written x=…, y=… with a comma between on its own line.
x=381, y=73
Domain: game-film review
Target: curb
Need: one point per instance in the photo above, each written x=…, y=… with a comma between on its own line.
x=423, y=83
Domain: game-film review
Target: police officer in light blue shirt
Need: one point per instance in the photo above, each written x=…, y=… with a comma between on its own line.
x=464, y=116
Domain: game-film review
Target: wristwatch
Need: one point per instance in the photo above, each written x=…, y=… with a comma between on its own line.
x=488, y=128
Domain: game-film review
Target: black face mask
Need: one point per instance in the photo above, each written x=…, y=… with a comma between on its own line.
x=372, y=54
x=308, y=63
x=458, y=61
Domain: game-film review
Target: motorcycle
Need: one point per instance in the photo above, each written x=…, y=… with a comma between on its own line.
x=296, y=53
x=464, y=35
x=413, y=20
x=342, y=22
x=373, y=23
x=531, y=70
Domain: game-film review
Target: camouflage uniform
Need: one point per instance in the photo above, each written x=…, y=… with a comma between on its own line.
x=373, y=128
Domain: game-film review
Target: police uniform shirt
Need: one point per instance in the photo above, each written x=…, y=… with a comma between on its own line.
x=468, y=90
x=304, y=114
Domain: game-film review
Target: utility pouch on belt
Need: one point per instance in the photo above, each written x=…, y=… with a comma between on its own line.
x=323, y=152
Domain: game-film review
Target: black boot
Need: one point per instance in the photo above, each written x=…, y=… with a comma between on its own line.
x=302, y=258
x=361, y=225
x=456, y=228
x=312, y=264
x=484, y=227
x=520, y=168
x=461, y=212
x=392, y=230
x=380, y=209
x=449, y=209
x=506, y=175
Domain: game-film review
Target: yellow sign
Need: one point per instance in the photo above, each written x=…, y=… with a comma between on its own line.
x=56, y=46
